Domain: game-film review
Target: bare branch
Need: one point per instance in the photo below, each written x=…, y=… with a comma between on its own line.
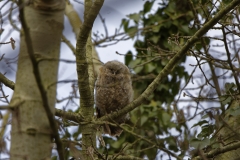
x=69, y=115
x=229, y=59
x=6, y=81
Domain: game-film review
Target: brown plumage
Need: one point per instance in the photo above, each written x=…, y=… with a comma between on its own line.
x=113, y=92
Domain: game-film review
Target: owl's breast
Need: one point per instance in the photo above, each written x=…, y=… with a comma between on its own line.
x=113, y=96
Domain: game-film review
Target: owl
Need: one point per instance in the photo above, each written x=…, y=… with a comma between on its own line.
x=113, y=92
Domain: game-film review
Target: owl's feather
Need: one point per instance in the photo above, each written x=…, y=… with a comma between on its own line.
x=113, y=92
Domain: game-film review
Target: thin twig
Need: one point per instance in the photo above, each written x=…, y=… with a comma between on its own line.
x=6, y=81
x=229, y=59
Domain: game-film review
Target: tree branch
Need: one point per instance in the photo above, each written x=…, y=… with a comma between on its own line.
x=229, y=58
x=6, y=81
x=121, y=157
x=152, y=143
x=86, y=99
x=85, y=74
x=218, y=151
x=58, y=112
x=69, y=115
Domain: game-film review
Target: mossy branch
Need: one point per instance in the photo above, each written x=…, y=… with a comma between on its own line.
x=86, y=74
x=6, y=81
x=86, y=99
x=218, y=151
x=69, y=115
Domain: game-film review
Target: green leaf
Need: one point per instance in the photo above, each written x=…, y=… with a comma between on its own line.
x=225, y=100
x=166, y=118
x=156, y=28
x=207, y=130
x=135, y=62
x=200, y=123
x=185, y=28
x=229, y=86
x=125, y=24
x=128, y=58
x=196, y=143
x=138, y=69
x=171, y=9
x=149, y=67
x=144, y=118
x=54, y=158
x=155, y=39
x=131, y=31
x=135, y=17
x=118, y=143
x=147, y=6
x=142, y=108
x=173, y=145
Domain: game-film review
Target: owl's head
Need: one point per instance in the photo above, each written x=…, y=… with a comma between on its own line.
x=115, y=68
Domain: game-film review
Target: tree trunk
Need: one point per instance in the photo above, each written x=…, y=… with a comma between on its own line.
x=31, y=136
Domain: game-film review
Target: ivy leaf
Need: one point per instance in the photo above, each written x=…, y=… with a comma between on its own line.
x=144, y=118
x=166, y=118
x=128, y=57
x=125, y=24
x=149, y=67
x=155, y=39
x=54, y=158
x=225, y=100
x=229, y=86
x=138, y=69
x=197, y=143
x=206, y=131
x=200, y=123
x=147, y=6
x=131, y=31
x=135, y=17
x=134, y=63
x=156, y=28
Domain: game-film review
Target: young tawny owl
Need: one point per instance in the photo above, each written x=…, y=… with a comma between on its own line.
x=113, y=92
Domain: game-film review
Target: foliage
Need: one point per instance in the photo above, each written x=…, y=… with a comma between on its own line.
x=155, y=118
x=159, y=36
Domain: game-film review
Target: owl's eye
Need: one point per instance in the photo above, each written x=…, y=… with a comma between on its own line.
x=117, y=72
x=112, y=71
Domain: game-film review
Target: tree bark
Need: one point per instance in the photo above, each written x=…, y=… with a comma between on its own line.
x=31, y=136
x=86, y=77
x=76, y=22
x=230, y=132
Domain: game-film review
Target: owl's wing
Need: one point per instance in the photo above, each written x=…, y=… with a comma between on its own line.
x=106, y=127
